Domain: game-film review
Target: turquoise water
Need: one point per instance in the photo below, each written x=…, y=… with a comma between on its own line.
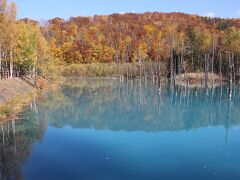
x=104, y=129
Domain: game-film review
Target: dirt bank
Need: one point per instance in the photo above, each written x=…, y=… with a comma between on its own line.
x=14, y=94
x=12, y=88
x=18, y=92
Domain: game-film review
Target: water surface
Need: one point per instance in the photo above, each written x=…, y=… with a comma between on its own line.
x=104, y=129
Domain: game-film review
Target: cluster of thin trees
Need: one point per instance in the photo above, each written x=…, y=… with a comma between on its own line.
x=7, y=18
x=23, y=48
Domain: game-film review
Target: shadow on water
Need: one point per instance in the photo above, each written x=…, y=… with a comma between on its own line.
x=104, y=104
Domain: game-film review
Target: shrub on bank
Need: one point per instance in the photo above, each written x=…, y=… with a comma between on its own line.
x=131, y=70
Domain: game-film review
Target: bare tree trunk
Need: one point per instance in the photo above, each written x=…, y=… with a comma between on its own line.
x=115, y=60
x=230, y=76
x=206, y=71
x=118, y=67
x=11, y=51
x=180, y=63
x=171, y=66
x=159, y=73
x=237, y=68
x=159, y=65
x=0, y=61
x=127, y=70
x=181, y=59
x=152, y=71
x=34, y=73
x=233, y=69
x=212, y=63
x=11, y=64
x=220, y=66
x=6, y=66
x=144, y=71
x=199, y=65
x=140, y=65
x=192, y=61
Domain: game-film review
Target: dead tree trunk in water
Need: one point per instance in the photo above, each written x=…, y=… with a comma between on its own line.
x=152, y=70
x=237, y=68
x=181, y=61
x=119, y=68
x=206, y=71
x=230, y=75
x=171, y=66
x=159, y=76
x=127, y=71
x=192, y=61
x=127, y=61
x=0, y=61
x=220, y=66
x=212, y=63
x=140, y=65
x=159, y=65
x=233, y=69
x=118, y=64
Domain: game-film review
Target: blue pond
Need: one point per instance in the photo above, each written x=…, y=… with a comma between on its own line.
x=103, y=129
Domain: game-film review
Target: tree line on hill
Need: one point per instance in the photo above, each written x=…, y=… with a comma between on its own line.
x=168, y=43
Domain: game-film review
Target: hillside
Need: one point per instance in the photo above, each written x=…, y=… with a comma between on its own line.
x=158, y=44
x=178, y=42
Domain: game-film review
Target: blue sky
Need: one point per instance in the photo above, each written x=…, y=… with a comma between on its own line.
x=46, y=9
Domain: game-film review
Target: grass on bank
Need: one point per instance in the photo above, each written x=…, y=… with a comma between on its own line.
x=132, y=70
x=90, y=70
x=111, y=69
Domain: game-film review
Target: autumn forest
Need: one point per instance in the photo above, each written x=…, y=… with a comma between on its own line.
x=119, y=89
x=157, y=44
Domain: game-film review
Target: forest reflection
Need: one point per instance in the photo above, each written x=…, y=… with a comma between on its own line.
x=17, y=138
x=105, y=104
x=138, y=106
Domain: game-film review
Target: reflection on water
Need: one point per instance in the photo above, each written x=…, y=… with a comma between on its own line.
x=16, y=142
x=113, y=117
x=106, y=104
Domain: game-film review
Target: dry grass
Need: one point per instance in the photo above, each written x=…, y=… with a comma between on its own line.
x=100, y=70
x=198, y=79
x=109, y=70
x=90, y=70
